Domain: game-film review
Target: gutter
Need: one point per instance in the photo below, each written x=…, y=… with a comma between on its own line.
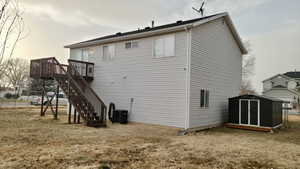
x=131, y=37
x=188, y=75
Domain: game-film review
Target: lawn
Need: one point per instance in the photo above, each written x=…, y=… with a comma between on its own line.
x=29, y=141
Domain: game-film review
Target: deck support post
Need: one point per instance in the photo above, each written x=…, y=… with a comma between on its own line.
x=78, y=118
x=70, y=105
x=43, y=94
x=75, y=115
x=56, y=107
x=69, y=114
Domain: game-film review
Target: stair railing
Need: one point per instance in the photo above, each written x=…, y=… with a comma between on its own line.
x=99, y=106
x=51, y=68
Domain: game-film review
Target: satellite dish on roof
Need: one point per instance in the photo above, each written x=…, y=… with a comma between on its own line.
x=201, y=9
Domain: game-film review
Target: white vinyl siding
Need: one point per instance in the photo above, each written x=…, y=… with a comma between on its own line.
x=164, y=46
x=283, y=94
x=158, y=86
x=166, y=91
x=215, y=65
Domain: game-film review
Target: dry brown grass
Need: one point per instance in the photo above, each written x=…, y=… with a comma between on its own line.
x=29, y=141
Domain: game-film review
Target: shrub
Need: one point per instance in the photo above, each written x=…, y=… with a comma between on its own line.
x=11, y=96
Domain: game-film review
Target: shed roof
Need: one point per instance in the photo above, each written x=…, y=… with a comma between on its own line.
x=250, y=96
x=148, y=31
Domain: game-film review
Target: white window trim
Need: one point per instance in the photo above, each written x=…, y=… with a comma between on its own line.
x=161, y=37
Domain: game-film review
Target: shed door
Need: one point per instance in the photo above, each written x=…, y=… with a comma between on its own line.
x=253, y=112
x=249, y=112
x=244, y=111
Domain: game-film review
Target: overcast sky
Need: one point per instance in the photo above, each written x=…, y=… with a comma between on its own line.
x=271, y=26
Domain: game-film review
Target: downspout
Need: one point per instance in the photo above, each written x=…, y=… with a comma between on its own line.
x=188, y=74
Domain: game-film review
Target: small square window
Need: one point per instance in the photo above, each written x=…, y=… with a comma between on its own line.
x=128, y=45
x=135, y=44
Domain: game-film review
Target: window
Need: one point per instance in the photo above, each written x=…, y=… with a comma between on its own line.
x=204, y=98
x=164, y=46
x=129, y=45
x=108, y=52
x=87, y=54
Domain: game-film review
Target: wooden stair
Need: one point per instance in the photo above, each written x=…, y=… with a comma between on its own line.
x=82, y=97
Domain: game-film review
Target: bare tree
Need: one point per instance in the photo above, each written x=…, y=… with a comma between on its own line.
x=248, y=70
x=17, y=72
x=11, y=29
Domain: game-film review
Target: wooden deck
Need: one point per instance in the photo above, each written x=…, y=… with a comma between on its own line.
x=245, y=127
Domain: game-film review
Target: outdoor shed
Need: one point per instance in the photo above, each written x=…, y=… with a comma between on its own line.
x=255, y=111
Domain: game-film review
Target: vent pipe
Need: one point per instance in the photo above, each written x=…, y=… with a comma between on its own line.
x=152, y=23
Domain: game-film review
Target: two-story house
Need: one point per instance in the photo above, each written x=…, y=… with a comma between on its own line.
x=179, y=74
x=283, y=86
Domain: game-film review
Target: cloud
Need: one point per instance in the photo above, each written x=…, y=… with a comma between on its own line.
x=129, y=14
x=276, y=52
x=233, y=6
x=77, y=18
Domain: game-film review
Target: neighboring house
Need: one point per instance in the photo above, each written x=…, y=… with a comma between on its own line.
x=283, y=86
x=180, y=74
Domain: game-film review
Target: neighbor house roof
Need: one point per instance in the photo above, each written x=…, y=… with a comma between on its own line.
x=295, y=75
x=173, y=27
x=282, y=75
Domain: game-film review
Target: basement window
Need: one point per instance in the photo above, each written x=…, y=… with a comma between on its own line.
x=204, y=98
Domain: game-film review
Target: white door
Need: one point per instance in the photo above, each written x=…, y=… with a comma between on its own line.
x=249, y=112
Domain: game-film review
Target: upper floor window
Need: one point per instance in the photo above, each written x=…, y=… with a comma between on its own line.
x=87, y=53
x=108, y=52
x=164, y=46
x=133, y=44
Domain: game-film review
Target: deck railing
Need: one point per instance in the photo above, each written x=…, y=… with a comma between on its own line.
x=85, y=69
x=46, y=68
x=50, y=68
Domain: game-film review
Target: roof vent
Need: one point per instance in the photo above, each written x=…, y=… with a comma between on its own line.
x=119, y=33
x=147, y=28
x=178, y=22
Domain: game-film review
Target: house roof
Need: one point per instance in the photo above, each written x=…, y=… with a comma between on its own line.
x=282, y=75
x=173, y=27
x=294, y=75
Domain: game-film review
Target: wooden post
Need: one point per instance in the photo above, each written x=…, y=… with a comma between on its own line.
x=42, y=102
x=69, y=115
x=70, y=105
x=75, y=112
x=78, y=118
x=56, y=108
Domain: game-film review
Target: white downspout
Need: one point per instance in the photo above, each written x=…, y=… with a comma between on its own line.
x=188, y=74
